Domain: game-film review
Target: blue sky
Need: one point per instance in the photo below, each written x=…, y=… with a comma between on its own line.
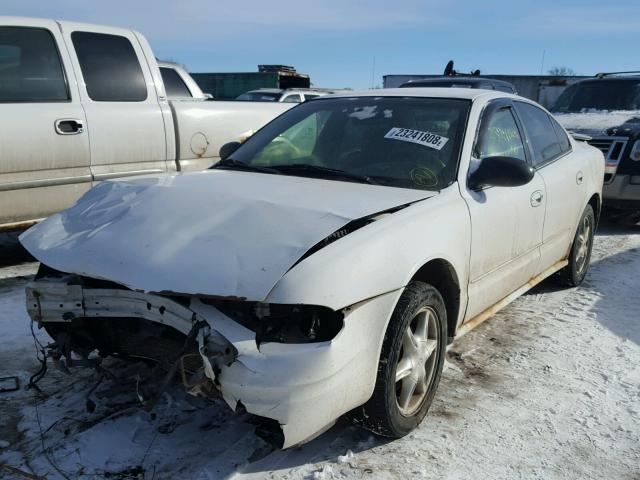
x=335, y=41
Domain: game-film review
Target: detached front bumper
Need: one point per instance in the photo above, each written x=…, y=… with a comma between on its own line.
x=304, y=387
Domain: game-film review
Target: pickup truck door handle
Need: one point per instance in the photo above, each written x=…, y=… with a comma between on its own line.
x=69, y=126
x=536, y=198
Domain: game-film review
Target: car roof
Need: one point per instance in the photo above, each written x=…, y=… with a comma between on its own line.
x=626, y=78
x=427, y=92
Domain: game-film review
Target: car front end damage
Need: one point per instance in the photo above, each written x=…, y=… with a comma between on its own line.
x=299, y=367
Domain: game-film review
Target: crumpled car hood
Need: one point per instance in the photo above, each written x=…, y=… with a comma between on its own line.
x=218, y=232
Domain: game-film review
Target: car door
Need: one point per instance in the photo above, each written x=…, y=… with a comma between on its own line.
x=127, y=128
x=506, y=222
x=562, y=172
x=44, y=147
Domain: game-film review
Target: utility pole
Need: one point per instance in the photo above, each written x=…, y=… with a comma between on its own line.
x=542, y=62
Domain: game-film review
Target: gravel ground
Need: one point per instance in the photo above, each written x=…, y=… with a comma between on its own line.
x=548, y=388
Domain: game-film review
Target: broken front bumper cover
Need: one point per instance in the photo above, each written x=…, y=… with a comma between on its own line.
x=304, y=387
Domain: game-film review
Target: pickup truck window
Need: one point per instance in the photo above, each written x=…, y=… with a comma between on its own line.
x=293, y=98
x=173, y=84
x=30, y=66
x=110, y=67
x=540, y=132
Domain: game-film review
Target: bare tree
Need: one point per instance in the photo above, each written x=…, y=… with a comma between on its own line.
x=561, y=72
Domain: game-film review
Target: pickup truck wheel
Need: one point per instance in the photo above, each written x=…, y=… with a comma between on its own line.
x=410, y=364
x=573, y=274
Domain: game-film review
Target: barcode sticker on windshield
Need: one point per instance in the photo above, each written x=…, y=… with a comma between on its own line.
x=426, y=139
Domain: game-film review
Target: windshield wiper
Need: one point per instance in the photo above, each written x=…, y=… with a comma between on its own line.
x=230, y=164
x=323, y=172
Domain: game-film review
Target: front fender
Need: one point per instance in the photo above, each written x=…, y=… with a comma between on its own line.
x=383, y=256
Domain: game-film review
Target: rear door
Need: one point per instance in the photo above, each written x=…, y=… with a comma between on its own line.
x=563, y=174
x=44, y=147
x=125, y=118
x=506, y=222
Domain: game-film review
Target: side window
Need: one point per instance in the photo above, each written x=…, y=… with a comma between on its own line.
x=30, y=67
x=540, y=131
x=563, y=139
x=173, y=84
x=310, y=96
x=110, y=67
x=499, y=136
x=294, y=98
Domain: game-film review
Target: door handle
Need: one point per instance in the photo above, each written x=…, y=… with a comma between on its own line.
x=69, y=126
x=536, y=198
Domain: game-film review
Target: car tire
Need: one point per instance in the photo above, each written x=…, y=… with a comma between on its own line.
x=573, y=274
x=405, y=360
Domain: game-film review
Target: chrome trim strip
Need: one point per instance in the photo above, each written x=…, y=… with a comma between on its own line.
x=49, y=182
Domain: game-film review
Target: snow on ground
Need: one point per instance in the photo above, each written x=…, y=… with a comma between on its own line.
x=548, y=388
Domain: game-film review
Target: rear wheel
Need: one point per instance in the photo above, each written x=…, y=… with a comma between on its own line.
x=410, y=364
x=573, y=274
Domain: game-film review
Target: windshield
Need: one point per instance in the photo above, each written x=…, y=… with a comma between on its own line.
x=259, y=97
x=599, y=95
x=396, y=141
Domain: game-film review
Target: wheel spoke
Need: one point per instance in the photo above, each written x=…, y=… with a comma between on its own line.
x=406, y=391
x=404, y=369
x=409, y=342
x=422, y=325
x=430, y=347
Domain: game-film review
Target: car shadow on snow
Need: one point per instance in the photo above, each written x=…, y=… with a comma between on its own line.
x=616, y=282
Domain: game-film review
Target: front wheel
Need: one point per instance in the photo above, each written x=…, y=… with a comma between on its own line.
x=573, y=274
x=410, y=364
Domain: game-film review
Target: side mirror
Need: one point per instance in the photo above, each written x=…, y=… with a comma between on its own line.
x=501, y=172
x=227, y=149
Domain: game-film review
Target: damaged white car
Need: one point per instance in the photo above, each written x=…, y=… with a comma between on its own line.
x=322, y=267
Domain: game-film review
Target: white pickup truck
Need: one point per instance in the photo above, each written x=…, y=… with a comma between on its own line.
x=83, y=103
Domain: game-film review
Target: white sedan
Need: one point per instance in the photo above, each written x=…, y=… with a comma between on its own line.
x=331, y=257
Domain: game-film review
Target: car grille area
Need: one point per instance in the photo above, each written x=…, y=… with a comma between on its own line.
x=613, y=149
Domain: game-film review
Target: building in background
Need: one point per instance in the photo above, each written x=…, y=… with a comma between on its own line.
x=544, y=89
x=226, y=86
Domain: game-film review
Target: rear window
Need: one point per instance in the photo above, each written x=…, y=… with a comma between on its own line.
x=173, y=84
x=30, y=66
x=540, y=131
x=599, y=95
x=259, y=97
x=110, y=67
